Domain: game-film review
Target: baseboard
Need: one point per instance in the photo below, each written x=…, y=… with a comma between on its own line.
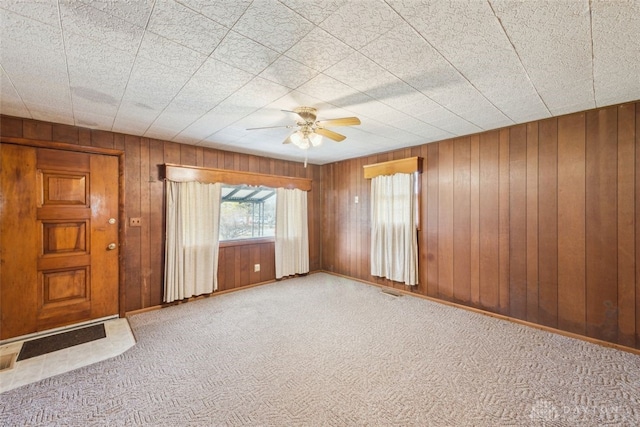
x=499, y=316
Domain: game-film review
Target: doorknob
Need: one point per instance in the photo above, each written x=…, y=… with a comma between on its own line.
x=111, y=246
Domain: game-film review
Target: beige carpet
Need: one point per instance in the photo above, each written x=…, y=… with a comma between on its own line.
x=326, y=351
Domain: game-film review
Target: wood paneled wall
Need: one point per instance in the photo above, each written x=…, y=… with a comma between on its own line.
x=539, y=222
x=144, y=198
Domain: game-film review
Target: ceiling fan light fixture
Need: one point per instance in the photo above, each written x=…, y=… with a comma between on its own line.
x=298, y=139
x=315, y=139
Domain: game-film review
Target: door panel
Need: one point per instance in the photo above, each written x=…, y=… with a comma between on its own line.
x=67, y=271
x=18, y=241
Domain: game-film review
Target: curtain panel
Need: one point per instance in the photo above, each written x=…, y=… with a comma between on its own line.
x=394, y=241
x=192, y=228
x=292, y=233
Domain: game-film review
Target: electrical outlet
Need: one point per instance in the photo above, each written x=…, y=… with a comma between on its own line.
x=356, y=200
x=135, y=222
x=256, y=268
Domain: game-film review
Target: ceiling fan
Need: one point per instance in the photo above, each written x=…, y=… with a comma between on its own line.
x=310, y=131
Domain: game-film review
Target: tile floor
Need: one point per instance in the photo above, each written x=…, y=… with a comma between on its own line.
x=119, y=338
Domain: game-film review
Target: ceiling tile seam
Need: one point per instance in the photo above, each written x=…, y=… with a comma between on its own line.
x=233, y=122
x=368, y=95
x=133, y=64
x=313, y=26
x=175, y=135
x=506, y=34
x=181, y=3
x=593, y=77
x=24, y=16
x=66, y=65
x=453, y=66
x=211, y=109
x=409, y=84
x=290, y=59
x=253, y=40
x=210, y=56
x=222, y=100
x=17, y=91
x=300, y=15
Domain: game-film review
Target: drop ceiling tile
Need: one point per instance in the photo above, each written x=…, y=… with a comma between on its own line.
x=86, y=21
x=13, y=107
x=553, y=41
x=136, y=12
x=163, y=134
x=398, y=94
x=208, y=124
x=170, y=53
x=456, y=125
x=90, y=101
x=288, y=72
x=412, y=59
x=315, y=11
x=467, y=35
x=35, y=66
x=91, y=77
x=244, y=53
x=174, y=118
x=45, y=113
x=319, y=50
x=185, y=26
x=328, y=89
x=409, y=57
x=616, y=49
x=273, y=24
x=295, y=98
x=45, y=11
x=214, y=82
x=10, y=101
x=369, y=76
x=152, y=86
x=93, y=120
x=125, y=123
x=358, y=23
x=225, y=12
x=256, y=94
x=26, y=36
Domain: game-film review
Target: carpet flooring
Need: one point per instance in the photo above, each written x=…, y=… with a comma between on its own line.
x=326, y=351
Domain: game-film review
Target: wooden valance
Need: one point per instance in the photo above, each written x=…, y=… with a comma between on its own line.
x=180, y=173
x=408, y=165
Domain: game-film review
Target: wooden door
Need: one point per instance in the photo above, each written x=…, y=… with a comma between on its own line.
x=59, y=238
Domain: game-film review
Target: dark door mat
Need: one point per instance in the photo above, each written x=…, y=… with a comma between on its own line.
x=52, y=343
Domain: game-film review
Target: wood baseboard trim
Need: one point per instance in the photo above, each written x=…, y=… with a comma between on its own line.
x=226, y=291
x=499, y=316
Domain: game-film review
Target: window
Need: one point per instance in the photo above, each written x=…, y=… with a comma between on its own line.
x=247, y=212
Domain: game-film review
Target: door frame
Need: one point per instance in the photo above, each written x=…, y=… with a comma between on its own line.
x=122, y=230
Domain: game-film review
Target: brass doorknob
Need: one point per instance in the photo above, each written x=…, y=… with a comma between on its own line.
x=111, y=246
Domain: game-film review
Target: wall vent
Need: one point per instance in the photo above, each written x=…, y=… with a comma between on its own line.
x=391, y=293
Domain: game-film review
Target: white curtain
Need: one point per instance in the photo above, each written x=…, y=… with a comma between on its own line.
x=394, y=241
x=292, y=233
x=193, y=219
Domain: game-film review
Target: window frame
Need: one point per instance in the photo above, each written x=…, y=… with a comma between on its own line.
x=246, y=239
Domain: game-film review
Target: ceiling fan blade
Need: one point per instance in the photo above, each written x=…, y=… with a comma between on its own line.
x=272, y=127
x=288, y=140
x=330, y=134
x=344, y=121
